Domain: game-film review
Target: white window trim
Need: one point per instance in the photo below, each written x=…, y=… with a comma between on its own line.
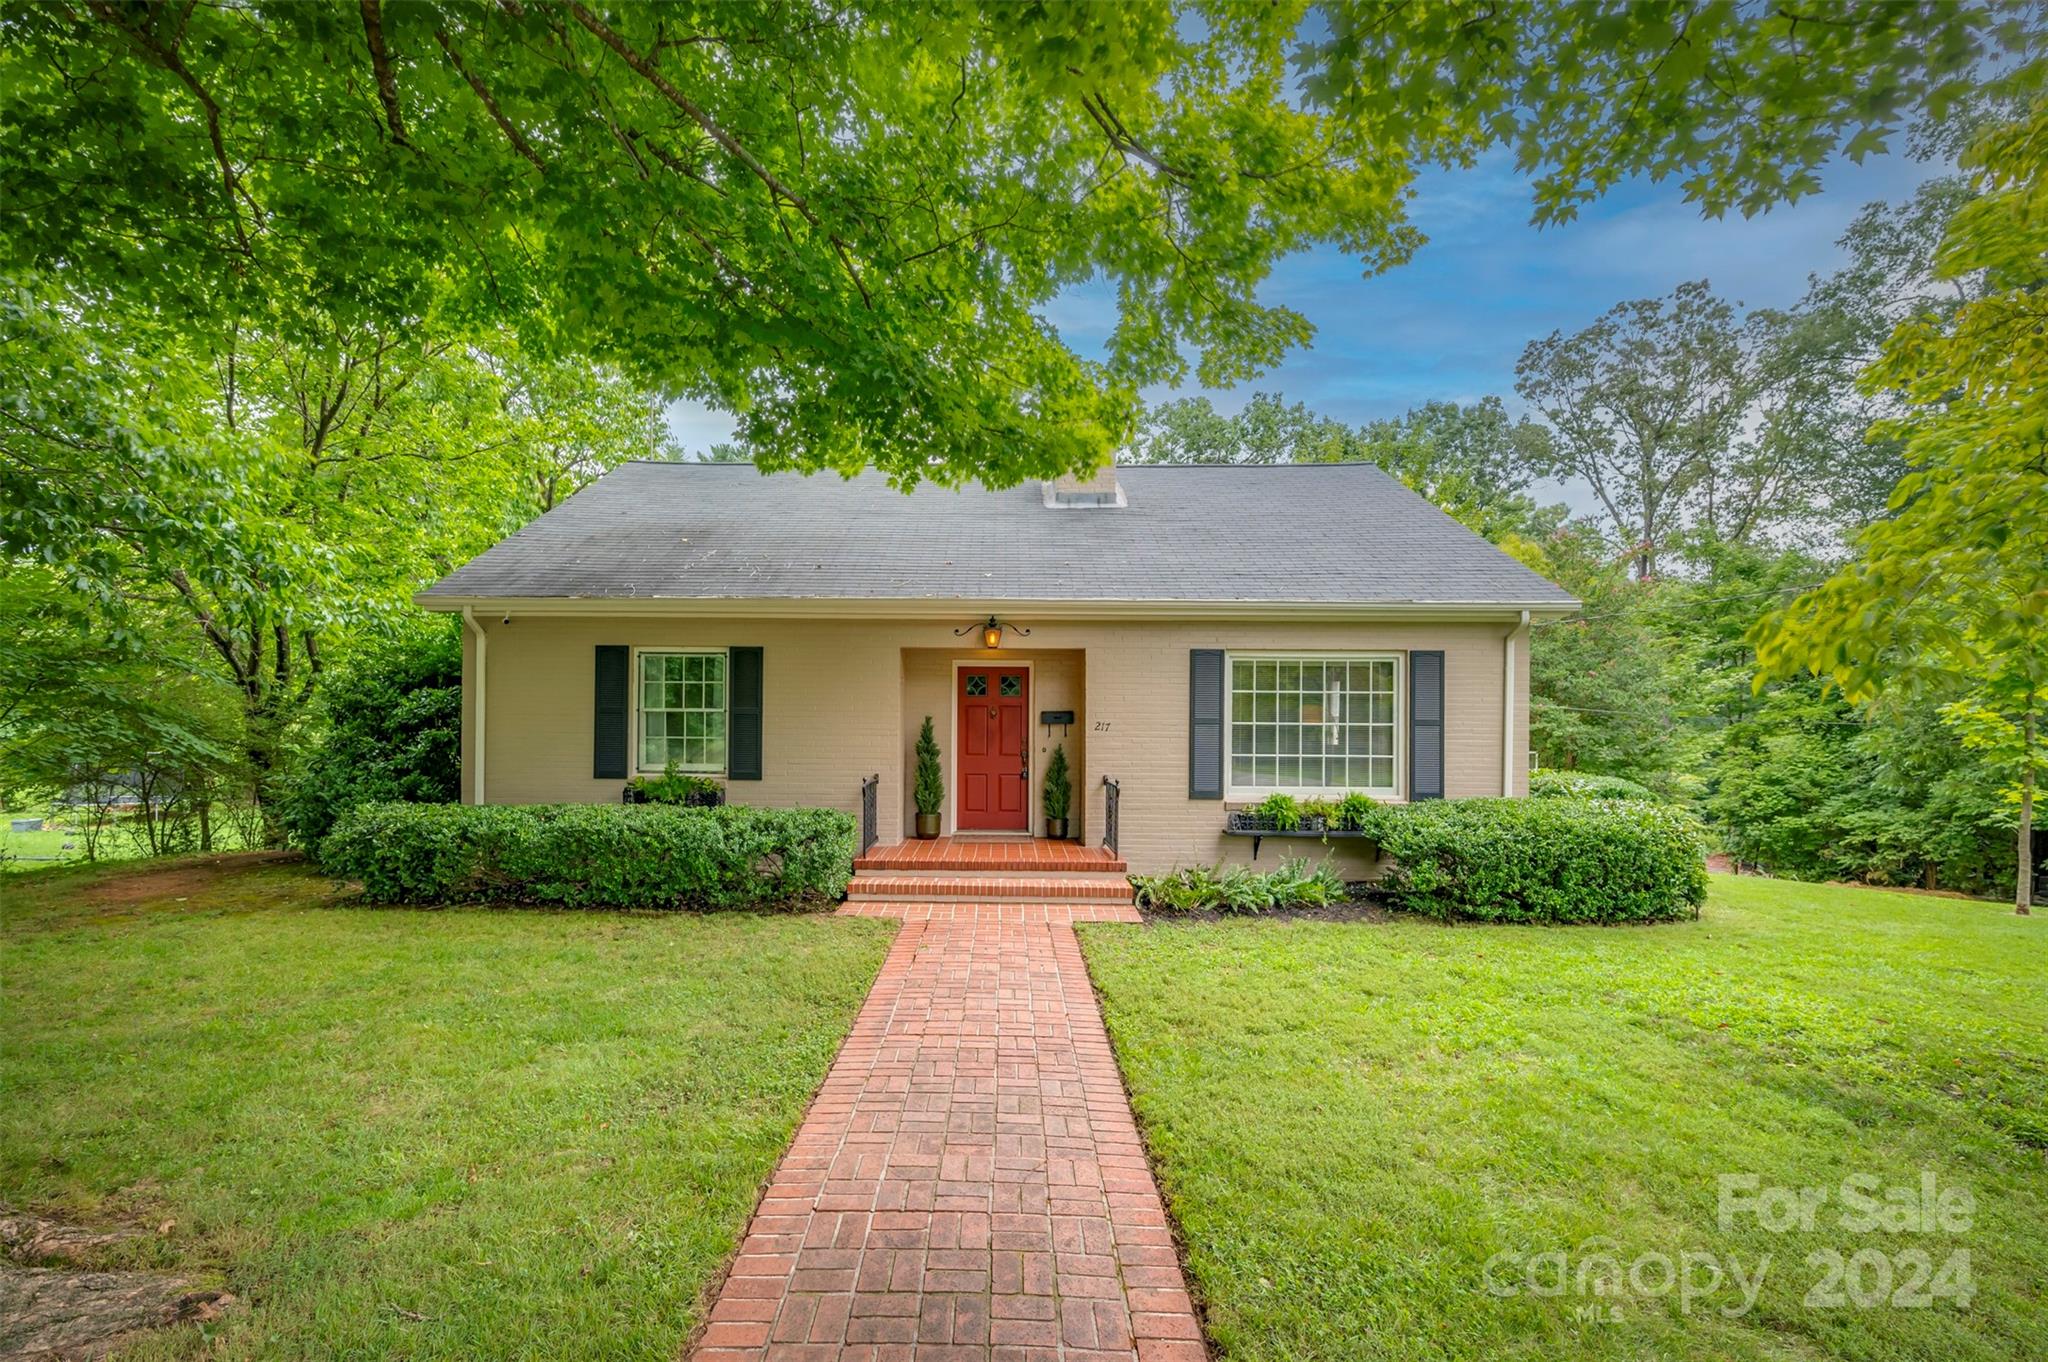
x=1240, y=794
x=640, y=714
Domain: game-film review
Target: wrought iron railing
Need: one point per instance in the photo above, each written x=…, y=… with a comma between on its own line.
x=1111, y=793
x=870, y=833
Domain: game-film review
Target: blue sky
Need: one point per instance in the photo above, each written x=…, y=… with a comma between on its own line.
x=1451, y=323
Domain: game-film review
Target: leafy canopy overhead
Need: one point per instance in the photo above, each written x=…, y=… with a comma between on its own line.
x=844, y=223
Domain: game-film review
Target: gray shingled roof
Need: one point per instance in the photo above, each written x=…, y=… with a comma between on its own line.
x=1324, y=533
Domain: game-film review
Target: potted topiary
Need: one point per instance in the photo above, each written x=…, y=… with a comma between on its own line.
x=1059, y=794
x=929, y=791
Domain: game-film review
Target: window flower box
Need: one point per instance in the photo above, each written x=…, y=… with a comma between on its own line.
x=1251, y=820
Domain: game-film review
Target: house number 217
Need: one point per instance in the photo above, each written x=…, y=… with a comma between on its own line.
x=1102, y=725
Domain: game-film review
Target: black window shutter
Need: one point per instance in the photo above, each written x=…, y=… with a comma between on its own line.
x=743, y=714
x=1426, y=725
x=613, y=734
x=1205, y=723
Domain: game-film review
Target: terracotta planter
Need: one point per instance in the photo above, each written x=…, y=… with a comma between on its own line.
x=1056, y=829
x=927, y=826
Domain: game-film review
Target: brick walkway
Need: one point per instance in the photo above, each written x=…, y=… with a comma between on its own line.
x=969, y=1182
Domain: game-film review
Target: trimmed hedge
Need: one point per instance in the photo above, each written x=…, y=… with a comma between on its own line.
x=1579, y=785
x=593, y=855
x=1544, y=860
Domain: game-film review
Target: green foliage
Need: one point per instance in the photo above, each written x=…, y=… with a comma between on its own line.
x=1805, y=789
x=845, y=225
x=1603, y=686
x=90, y=715
x=929, y=789
x=1775, y=781
x=1647, y=404
x=1058, y=794
x=1355, y=812
x=1580, y=785
x=1282, y=810
x=593, y=855
x=1946, y=603
x=390, y=728
x=1467, y=460
x=279, y=487
x=676, y=787
x=1323, y=810
x=1544, y=860
x=1294, y=885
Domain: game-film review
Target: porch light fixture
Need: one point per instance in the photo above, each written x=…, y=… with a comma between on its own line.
x=991, y=632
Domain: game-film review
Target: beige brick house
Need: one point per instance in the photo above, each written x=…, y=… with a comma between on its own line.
x=1195, y=637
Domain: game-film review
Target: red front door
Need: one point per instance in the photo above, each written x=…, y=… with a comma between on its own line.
x=994, y=768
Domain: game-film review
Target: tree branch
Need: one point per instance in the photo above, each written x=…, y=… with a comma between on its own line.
x=505, y=125
x=380, y=62
x=653, y=77
x=169, y=60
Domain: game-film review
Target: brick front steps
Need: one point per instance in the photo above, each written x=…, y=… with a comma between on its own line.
x=988, y=887
x=1053, y=913
x=981, y=854
x=969, y=1184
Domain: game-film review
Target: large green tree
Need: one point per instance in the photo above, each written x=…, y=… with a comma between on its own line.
x=844, y=223
x=1946, y=602
x=277, y=495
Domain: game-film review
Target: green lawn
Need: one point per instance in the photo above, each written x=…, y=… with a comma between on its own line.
x=1351, y=1120
x=459, y=1134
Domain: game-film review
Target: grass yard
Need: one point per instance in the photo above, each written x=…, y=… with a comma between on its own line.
x=1352, y=1120
x=456, y=1134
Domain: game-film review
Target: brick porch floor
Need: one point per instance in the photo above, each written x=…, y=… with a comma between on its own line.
x=988, y=853
x=969, y=1182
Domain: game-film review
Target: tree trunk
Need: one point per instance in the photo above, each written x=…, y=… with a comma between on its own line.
x=2023, y=888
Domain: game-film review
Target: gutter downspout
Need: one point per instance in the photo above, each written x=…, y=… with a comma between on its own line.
x=1507, y=710
x=482, y=644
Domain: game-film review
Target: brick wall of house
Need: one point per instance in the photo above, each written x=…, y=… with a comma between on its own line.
x=843, y=698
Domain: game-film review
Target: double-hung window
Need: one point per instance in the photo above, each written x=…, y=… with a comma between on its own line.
x=1313, y=723
x=682, y=710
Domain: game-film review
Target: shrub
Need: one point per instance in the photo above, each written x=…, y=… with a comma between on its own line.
x=1059, y=790
x=392, y=721
x=593, y=855
x=1580, y=785
x=929, y=790
x=1544, y=860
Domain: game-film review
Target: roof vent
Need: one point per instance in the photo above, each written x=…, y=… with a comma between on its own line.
x=1099, y=490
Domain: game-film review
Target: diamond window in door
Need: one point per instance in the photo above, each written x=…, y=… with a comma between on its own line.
x=977, y=685
x=1011, y=686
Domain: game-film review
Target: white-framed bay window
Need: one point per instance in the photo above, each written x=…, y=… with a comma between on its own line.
x=1313, y=724
x=679, y=709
